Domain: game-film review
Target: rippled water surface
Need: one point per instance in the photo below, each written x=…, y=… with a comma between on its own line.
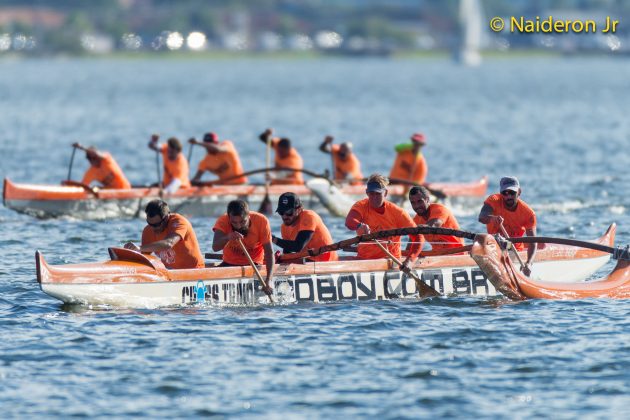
x=560, y=125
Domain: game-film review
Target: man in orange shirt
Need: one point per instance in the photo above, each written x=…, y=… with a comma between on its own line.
x=286, y=157
x=375, y=213
x=250, y=227
x=221, y=159
x=103, y=169
x=347, y=166
x=175, y=164
x=509, y=210
x=410, y=164
x=170, y=236
x=434, y=215
x=302, y=229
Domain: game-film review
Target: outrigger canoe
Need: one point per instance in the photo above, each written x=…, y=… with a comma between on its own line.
x=499, y=269
x=50, y=201
x=131, y=279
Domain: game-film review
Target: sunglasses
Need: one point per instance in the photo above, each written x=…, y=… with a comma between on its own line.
x=508, y=193
x=288, y=213
x=155, y=225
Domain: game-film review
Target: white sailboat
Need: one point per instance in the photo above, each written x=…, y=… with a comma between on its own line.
x=471, y=23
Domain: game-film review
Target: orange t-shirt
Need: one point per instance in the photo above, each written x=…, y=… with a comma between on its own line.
x=407, y=158
x=185, y=253
x=441, y=212
x=259, y=234
x=177, y=168
x=344, y=169
x=394, y=217
x=293, y=161
x=309, y=220
x=107, y=173
x=515, y=222
x=213, y=163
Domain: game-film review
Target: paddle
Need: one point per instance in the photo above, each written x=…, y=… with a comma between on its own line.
x=190, y=149
x=514, y=251
x=154, y=139
x=266, y=206
x=74, y=150
x=251, y=262
x=416, y=230
x=423, y=288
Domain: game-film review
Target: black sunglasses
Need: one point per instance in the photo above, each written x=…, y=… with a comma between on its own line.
x=156, y=224
x=288, y=213
x=508, y=192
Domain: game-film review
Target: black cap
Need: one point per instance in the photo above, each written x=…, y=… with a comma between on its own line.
x=288, y=201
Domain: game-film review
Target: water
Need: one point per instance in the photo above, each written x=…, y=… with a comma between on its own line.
x=559, y=125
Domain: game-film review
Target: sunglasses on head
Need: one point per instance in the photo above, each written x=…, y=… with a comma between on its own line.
x=156, y=224
x=508, y=192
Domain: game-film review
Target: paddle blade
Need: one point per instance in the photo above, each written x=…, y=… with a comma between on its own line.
x=265, y=206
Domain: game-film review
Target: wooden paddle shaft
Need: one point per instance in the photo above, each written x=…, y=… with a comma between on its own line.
x=511, y=246
x=74, y=150
x=253, y=264
x=423, y=289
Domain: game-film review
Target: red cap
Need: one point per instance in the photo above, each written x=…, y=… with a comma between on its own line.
x=211, y=138
x=418, y=138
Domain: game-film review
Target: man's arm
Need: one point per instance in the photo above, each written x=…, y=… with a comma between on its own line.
x=197, y=176
x=221, y=239
x=326, y=145
x=169, y=242
x=153, y=143
x=264, y=136
x=302, y=238
x=531, y=249
x=353, y=222
x=486, y=216
x=211, y=147
x=270, y=260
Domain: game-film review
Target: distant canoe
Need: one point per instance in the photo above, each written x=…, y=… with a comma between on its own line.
x=50, y=201
x=131, y=279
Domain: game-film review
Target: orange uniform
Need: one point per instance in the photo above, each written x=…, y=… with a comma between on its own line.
x=107, y=173
x=405, y=162
x=309, y=220
x=516, y=222
x=393, y=217
x=224, y=164
x=441, y=212
x=185, y=253
x=177, y=168
x=258, y=235
x=293, y=161
x=346, y=169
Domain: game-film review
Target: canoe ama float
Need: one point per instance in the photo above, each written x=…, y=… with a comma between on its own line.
x=50, y=201
x=505, y=277
x=131, y=279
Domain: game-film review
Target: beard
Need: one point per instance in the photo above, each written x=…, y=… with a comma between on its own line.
x=243, y=231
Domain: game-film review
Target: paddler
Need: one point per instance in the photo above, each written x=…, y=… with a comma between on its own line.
x=170, y=236
x=286, y=157
x=221, y=159
x=301, y=229
x=410, y=164
x=507, y=209
x=434, y=215
x=250, y=227
x=347, y=166
x=175, y=164
x=103, y=169
x=375, y=213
